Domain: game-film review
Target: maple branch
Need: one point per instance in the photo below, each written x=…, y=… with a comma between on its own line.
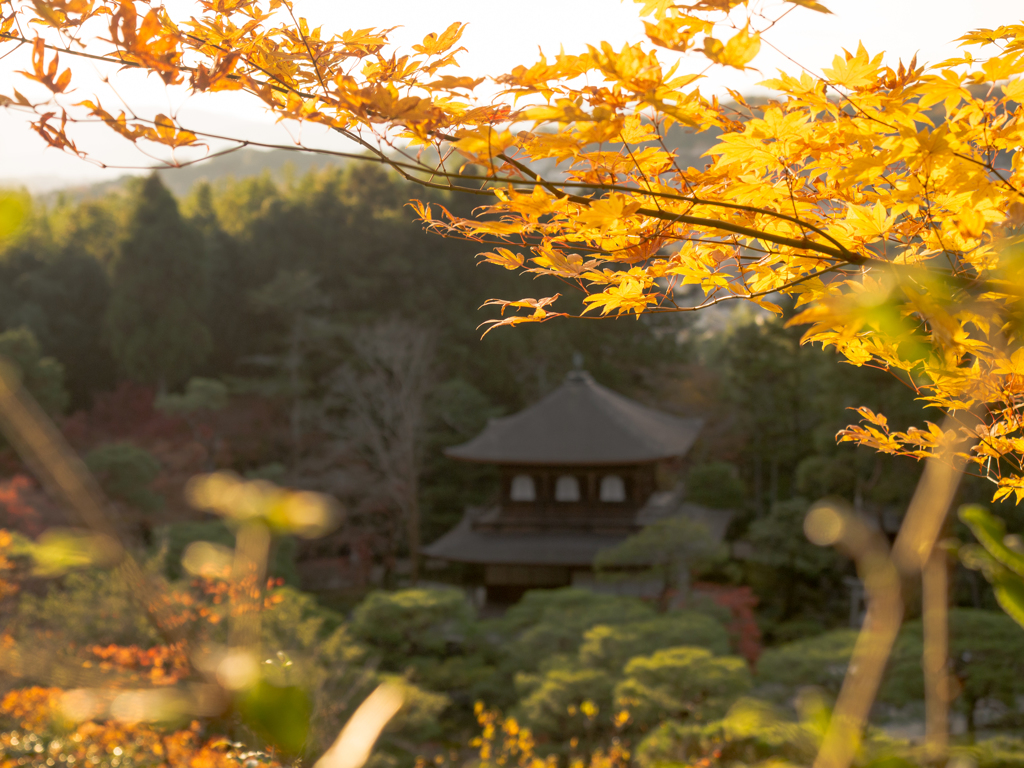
x=838, y=252
x=82, y=54
x=989, y=166
x=407, y=171
x=800, y=244
x=737, y=296
x=305, y=42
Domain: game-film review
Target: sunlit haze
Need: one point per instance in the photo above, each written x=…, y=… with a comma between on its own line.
x=498, y=38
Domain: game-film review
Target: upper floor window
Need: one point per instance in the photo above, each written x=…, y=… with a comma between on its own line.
x=613, y=489
x=523, y=489
x=567, y=488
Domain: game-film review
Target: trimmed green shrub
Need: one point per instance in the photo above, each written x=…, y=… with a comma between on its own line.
x=681, y=683
x=413, y=622
x=716, y=484
x=550, y=623
x=986, y=656
x=569, y=703
x=611, y=646
x=126, y=472
x=819, y=661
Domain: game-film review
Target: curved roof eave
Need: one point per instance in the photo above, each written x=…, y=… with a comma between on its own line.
x=581, y=423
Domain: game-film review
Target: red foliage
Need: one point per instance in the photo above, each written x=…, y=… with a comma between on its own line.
x=251, y=431
x=743, y=629
x=25, y=508
x=162, y=664
x=16, y=513
x=342, y=560
x=126, y=413
x=245, y=433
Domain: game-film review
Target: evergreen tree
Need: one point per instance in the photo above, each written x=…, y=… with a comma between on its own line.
x=52, y=282
x=158, y=292
x=667, y=551
x=126, y=473
x=42, y=377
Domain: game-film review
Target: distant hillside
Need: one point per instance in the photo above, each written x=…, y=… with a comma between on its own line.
x=279, y=163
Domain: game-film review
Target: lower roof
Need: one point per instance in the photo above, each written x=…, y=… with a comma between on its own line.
x=463, y=544
x=467, y=543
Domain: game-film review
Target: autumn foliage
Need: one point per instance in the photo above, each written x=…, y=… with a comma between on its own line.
x=743, y=629
x=882, y=198
x=17, y=507
x=44, y=736
x=879, y=203
x=112, y=720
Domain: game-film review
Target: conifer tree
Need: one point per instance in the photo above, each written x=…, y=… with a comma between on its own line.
x=158, y=292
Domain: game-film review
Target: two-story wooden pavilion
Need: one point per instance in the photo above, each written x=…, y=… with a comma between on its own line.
x=578, y=475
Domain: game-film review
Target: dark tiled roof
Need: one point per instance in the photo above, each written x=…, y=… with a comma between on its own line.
x=581, y=423
x=464, y=544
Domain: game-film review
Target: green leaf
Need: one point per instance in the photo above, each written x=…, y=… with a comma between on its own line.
x=991, y=533
x=60, y=550
x=13, y=210
x=1009, y=590
x=278, y=714
x=1007, y=585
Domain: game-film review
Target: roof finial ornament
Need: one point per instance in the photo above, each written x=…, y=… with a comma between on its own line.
x=577, y=374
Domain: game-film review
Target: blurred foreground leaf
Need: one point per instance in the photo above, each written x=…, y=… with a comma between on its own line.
x=997, y=558
x=60, y=550
x=13, y=209
x=278, y=714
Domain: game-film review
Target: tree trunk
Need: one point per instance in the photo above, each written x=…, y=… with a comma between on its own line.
x=667, y=585
x=412, y=522
x=935, y=622
x=758, y=487
x=973, y=582
x=970, y=703
x=294, y=363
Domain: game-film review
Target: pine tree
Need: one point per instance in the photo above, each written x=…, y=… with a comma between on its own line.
x=158, y=292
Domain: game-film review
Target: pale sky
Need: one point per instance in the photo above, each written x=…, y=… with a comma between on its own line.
x=499, y=37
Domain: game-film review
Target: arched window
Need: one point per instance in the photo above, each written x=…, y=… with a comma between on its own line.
x=613, y=489
x=523, y=489
x=567, y=488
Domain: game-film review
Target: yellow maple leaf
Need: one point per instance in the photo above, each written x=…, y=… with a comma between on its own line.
x=854, y=71
x=434, y=44
x=607, y=212
x=628, y=296
x=812, y=4
x=503, y=257
x=738, y=52
x=871, y=223
x=677, y=33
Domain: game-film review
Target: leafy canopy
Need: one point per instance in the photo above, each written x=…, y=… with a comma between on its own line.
x=666, y=551
x=126, y=473
x=682, y=682
x=42, y=376
x=884, y=199
x=157, y=295
x=611, y=646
